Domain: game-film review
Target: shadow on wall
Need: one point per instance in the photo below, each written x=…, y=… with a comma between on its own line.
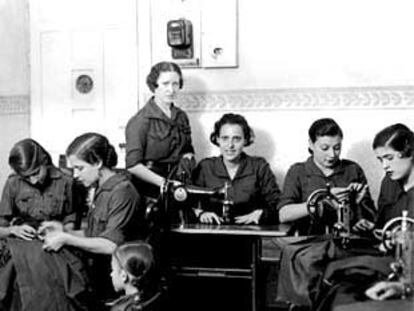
x=264, y=146
x=362, y=153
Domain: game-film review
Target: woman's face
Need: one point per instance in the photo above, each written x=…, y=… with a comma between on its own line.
x=38, y=177
x=326, y=150
x=116, y=275
x=86, y=173
x=168, y=85
x=394, y=165
x=231, y=142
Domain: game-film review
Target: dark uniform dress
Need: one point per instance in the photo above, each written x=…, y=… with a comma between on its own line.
x=392, y=200
x=157, y=142
x=116, y=214
x=253, y=187
x=304, y=178
x=22, y=202
x=52, y=277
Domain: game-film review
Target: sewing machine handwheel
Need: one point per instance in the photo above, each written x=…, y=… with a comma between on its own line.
x=316, y=203
x=392, y=230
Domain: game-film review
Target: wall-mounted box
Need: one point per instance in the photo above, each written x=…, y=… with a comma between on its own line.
x=213, y=32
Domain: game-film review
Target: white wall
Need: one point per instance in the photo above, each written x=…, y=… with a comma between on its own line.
x=301, y=60
x=14, y=78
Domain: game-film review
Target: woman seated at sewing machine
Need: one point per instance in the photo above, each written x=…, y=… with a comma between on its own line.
x=394, y=148
x=250, y=191
x=323, y=169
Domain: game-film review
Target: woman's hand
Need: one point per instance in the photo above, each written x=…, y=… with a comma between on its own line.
x=251, y=218
x=53, y=241
x=340, y=193
x=24, y=232
x=384, y=290
x=359, y=189
x=209, y=218
x=363, y=225
x=50, y=226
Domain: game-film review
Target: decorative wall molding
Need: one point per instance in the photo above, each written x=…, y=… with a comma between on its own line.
x=15, y=104
x=395, y=97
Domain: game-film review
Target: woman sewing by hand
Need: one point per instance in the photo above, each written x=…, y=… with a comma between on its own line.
x=252, y=185
x=323, y=167
x=35, y=192
x=116, y=214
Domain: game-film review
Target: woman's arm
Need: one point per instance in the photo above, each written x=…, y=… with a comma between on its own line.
x=145, y=174
x=292, y=212
x=55, y=240
x=292, y=206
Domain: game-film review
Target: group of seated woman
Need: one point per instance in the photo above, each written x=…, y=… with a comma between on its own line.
x=39, y=222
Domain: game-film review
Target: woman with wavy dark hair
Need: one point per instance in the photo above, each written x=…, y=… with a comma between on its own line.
x=116, y=214
x=252, y=184
x=158, y=137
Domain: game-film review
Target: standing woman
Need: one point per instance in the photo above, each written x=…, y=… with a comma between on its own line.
x=35, y=192
x=323, y=167
x=115, y=216
x=158, y=137
x=253, y=188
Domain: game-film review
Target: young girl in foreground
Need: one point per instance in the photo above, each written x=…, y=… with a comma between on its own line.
x=133, y=272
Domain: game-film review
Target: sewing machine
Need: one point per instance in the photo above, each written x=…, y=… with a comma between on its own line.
x=325, y=208
x=183, y=196
x=398, y=235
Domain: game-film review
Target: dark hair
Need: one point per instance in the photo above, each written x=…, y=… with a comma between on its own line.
x=397, y=136
x=231, y=118
x=324, y=127
x=156, y=71
x=27, y=156
x=137, y=259
x=92, y=148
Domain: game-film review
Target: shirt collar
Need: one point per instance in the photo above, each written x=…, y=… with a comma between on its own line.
x=313, y=169
x=245, y=167
x=111, y=182
x=155, y=112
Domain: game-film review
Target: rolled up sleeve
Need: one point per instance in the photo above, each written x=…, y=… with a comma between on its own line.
x=136, y=141
x=120, y=215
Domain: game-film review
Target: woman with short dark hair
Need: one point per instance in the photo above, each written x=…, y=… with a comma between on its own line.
x=324, y=167
x=251, y=183
x=158, y=137
x=394, y=147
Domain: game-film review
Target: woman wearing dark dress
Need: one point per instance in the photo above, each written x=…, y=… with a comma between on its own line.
x=158, y=137
x=252, y=186
x=116, y=214
x=323, y=167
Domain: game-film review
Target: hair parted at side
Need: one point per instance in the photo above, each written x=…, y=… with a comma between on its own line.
x=137, y=259
x=27, y=156
x=324, y=127
x=157, y=69
x=92, y=148
x=232, y=118
x=398, y=137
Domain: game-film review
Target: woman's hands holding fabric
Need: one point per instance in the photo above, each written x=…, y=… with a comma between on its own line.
x=363, y=225
x=53, y=241
x=50, y=226
x=251, y=218
x=24, y=232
